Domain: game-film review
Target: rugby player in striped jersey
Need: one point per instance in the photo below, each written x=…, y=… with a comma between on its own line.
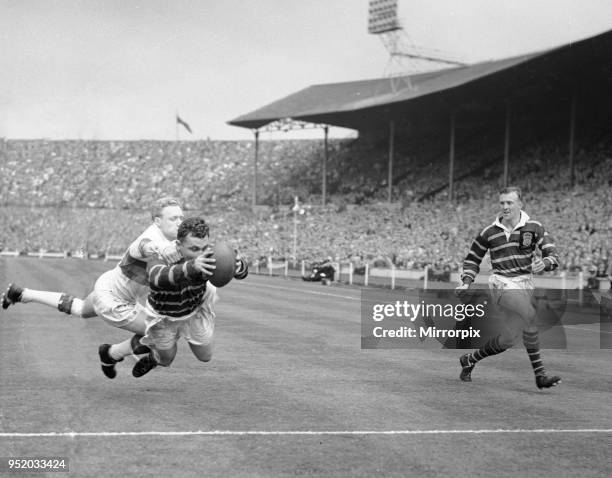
x=512, y=241
x=117, y=292
x=180, y=301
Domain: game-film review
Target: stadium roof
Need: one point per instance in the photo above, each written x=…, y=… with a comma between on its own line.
x=352, y=104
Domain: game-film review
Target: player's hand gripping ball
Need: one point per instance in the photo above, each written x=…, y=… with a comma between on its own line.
x=225, y=264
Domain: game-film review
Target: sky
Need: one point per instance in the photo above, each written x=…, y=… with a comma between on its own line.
x=122, y=69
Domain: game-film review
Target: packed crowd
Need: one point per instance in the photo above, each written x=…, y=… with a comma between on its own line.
x=130, y=174
x=92, y=196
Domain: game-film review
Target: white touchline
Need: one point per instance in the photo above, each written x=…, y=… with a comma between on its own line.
x=303, y=432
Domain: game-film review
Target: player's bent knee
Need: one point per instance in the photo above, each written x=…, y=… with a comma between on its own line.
x=165, y=358
x=204, y=358
x=203, y=353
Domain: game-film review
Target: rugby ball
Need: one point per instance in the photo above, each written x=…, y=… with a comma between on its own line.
x=225, y=264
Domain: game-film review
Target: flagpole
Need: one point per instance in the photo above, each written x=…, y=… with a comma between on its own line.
x=176, y=125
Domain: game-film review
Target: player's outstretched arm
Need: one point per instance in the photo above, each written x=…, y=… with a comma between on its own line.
x=161, y=275
x=147, y=249
x=143, y=249
x=170, y=253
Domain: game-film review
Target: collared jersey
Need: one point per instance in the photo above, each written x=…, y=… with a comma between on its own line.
x=511, y=250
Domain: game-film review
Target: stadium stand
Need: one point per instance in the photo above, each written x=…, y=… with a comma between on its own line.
x=91, y=196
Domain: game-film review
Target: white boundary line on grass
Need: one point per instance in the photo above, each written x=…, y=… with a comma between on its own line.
x=303, y=432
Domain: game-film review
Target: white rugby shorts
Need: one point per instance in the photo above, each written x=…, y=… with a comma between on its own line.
x=115, y=298
x=163, y=332
x=515, y=294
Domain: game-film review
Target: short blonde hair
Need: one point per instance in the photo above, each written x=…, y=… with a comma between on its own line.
x=161, y=203
x=512, y=189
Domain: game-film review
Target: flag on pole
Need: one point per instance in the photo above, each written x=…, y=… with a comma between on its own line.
x=183, y=123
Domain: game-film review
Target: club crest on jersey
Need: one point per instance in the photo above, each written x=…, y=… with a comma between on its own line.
x=526, y=240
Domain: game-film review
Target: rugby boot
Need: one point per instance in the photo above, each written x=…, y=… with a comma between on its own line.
x=544, y=381
x=144, y=365
x=466, y=368
x=11, y=296
x=107, y=363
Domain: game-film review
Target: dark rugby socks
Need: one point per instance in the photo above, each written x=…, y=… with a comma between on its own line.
x=128, y=347
x=492, y=347
x=530, y=339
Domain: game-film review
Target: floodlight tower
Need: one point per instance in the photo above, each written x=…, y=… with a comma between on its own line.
x=404, y=57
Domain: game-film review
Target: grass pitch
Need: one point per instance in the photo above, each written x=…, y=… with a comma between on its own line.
x=289, y=392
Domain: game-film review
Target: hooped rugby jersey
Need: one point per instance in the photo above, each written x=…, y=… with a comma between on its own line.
x=511, y=250
x=178, y=289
